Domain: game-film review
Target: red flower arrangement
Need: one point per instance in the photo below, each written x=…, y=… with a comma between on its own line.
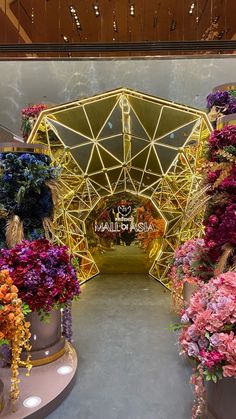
x=29, y=116
x=221, y=227
x=43, y=274
x=220, y=220
x=222, y=140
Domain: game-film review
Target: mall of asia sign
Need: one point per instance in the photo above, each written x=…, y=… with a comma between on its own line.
x=123, y=221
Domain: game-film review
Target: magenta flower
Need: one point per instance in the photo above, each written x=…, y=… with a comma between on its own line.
x=42, y=272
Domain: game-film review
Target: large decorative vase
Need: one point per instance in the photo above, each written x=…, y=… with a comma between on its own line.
x=1, y=395
x=46, y=339
x=188, y=290
x=221, y=400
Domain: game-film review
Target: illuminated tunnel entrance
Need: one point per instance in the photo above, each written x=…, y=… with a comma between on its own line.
x=125, y=141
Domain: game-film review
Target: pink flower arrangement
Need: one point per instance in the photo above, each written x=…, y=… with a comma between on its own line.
x=189, y=264
x=208, y=334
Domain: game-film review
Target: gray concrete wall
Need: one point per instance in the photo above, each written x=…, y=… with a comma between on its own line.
x=185, y=81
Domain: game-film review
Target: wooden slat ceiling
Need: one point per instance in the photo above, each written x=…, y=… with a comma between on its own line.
x=51, y=21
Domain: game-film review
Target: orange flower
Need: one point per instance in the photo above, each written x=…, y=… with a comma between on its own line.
x=4, y=288
x=14, y=288
x=11, y=316
x=13, y=327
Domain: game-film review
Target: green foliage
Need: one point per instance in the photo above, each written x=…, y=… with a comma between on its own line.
x=175, y=327
x=213, y=375
x=4, y=342
x=25, y=309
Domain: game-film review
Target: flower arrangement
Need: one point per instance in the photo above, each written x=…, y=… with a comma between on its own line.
x=209, y=322
x=222, y=145
x=220, y=174
x=27, y=193
x=43, y=273
x=221, y=103
x=14, y=330
x=192, y=264
x=29, y=116
x=208, y=335
x=182, y=265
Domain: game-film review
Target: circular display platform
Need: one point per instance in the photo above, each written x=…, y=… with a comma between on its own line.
x=45, y=388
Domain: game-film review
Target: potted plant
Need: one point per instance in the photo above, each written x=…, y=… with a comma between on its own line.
x=47, y=282
x=14, y=329
x=208, y=337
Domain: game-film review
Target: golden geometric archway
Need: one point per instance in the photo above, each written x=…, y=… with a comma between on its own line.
x=124, y=141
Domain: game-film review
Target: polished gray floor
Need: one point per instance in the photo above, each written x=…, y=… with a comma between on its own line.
x=129, y=367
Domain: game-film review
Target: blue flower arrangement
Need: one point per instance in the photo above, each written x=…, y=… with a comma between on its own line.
x=26, y=181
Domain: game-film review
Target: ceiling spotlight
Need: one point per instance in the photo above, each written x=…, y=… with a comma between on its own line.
x=96, y=9
x=131, y=10
x=197, y=19
x=65, y=38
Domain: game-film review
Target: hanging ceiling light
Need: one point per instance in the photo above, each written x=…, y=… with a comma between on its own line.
x=96, y=10
x=75, y=17
x=191, y=8
x=132, y=10
x=115, y=26
x=32, y=15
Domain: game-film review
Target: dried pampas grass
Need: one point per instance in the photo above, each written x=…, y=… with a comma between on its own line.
x=14, y=231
